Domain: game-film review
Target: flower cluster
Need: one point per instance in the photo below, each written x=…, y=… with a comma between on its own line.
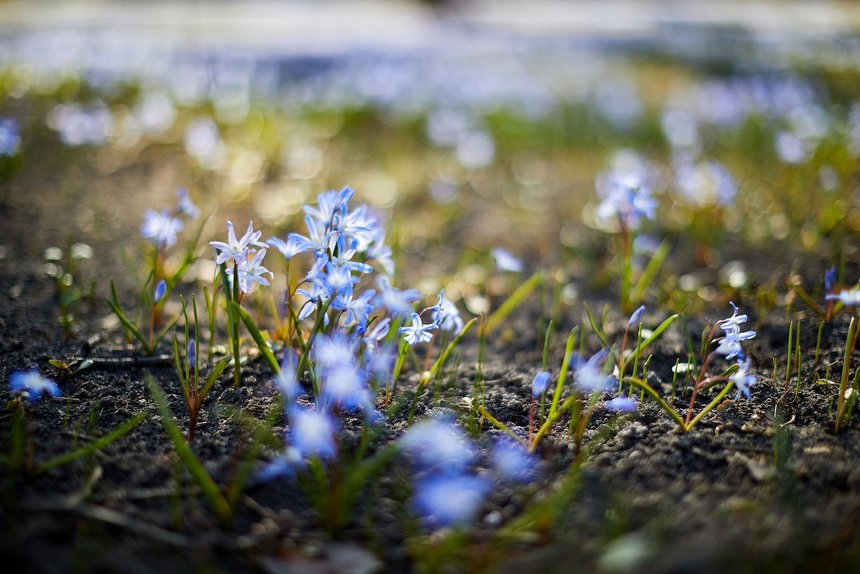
x=350, y=350
x=729, y=345
x=447, y=490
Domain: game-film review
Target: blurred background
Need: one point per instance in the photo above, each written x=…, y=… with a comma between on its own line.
x=474, y=123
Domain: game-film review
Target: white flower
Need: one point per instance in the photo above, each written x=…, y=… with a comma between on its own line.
x=235, y=249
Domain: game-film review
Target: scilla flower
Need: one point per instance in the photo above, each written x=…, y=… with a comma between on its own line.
x=446, y=315
x=418, y=332
x=160, y=291
x=742, y=379
x=540, y=383
x=622, y=404
x=251, y=271
x=849, y=297
x=32, y=385
x=236, y=248
x=160, y=228
x=450, y=500
x=589, y=375
x=730, y=343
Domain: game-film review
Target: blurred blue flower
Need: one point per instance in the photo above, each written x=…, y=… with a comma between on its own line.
x=284, y=465
x=287, y=381
x=160, y=228
x=540, y=383
x=398, y=302
x=849, y=297
x=439, y=444
x=588, y=375
x=312, y=433
x=450, y=500
x=32, y=385
x=512, y=461
x=830, y=279
x=622, y=404
x=628, y=200
x=505, y=260
x=186, y=206
x=10, y=137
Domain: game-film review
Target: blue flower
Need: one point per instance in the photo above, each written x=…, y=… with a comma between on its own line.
x=333, y=205
x=236, y=249
x=160, y=228
x=398, y=302
x=450, y=500
x=446, y=314
x=628, y=200
x=32, y=385
x=191, y=353
x=374, y=337
x=317, y=239
x=438, y=443
x=830, y=279
x=512, y=461
x=849, y=297
x=10, y=137
x=742, y=379
x=186, y=206
x=622, y=404
x=286, y=381
x=312, y=433
x=634, y=318
x=289, y=248
x=589, y=376
x=357, y=309
x=418, y=332
x=505, y=261
x=160, y=290
x=730, y=343
x=540, y=383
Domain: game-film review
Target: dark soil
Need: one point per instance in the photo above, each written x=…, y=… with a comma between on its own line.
x=762, y=485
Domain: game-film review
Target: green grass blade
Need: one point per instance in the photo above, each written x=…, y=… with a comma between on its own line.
x=565, y=368
x=651, y=338
x=604, y=340
x=96, y=445
x=189, y=459
x=649, y=273
x=440, y=361
x=265, y=351
x=498, y=424
x=514, y=301
x=217, y=370
x=130, y=327
x=663, y=404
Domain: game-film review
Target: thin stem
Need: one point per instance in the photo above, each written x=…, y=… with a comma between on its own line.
x=701, y=376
